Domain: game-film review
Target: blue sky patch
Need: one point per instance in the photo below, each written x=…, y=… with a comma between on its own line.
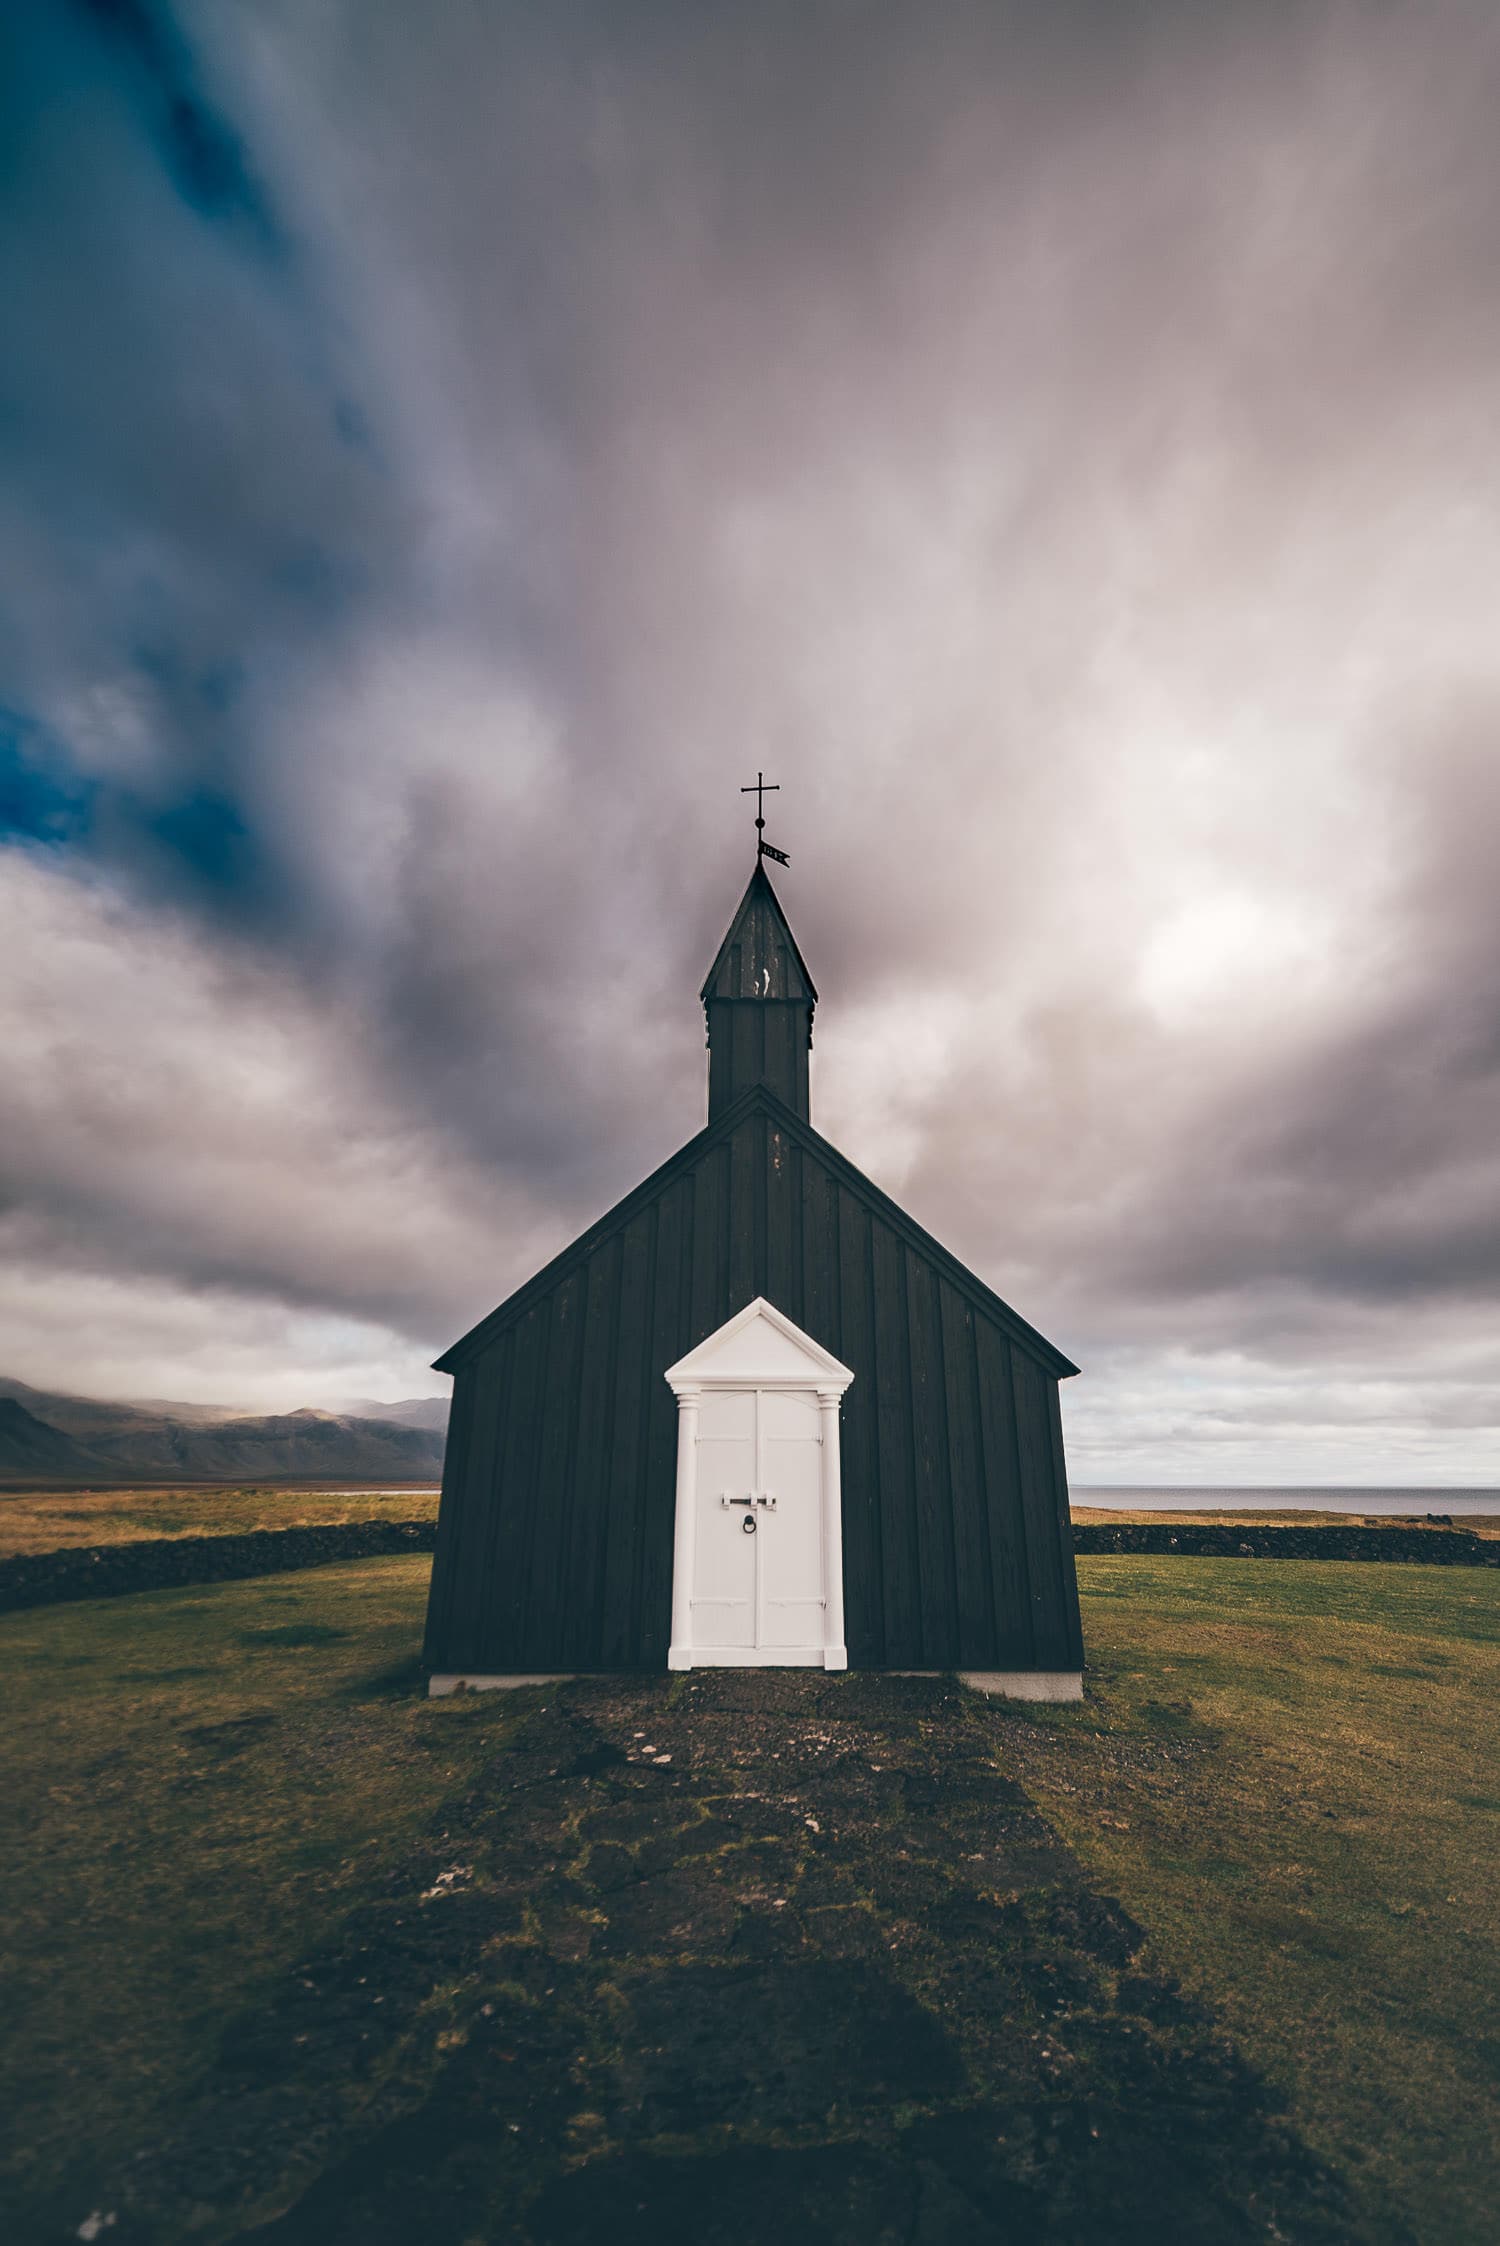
x=42, y=798
x=207, y=832
x=203, y=155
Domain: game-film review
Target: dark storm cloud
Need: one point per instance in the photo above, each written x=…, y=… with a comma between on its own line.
x=447, y=453
x=1275, y=1182
x=184, y=513
x=204, y=158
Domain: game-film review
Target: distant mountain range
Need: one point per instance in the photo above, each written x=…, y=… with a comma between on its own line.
x=46, y=1438
x=417, y=1411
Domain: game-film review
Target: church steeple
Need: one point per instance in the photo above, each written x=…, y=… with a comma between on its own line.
x=758, y=1002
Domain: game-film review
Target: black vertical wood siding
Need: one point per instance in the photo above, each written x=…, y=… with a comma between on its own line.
x=758, y=1041
x=555, y=1532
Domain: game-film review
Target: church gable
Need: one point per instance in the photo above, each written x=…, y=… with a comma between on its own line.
x=756, y=1197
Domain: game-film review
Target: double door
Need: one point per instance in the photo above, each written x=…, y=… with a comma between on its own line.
x=758, y=1586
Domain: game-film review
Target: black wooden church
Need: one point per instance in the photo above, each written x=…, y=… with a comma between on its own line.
x=755, y=1416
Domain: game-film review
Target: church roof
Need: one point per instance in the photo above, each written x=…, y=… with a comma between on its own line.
x=759, y=957
x=759, y=1096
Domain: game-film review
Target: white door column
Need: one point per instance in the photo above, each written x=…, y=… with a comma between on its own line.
x=680, y=1652
x=835, y=1653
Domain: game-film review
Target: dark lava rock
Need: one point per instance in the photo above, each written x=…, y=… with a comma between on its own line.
x=777, y=2047
x=821, y=2195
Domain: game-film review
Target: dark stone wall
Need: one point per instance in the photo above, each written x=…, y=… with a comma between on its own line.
x=35, y=1579
x=1433, y=1547
x=105, y=1570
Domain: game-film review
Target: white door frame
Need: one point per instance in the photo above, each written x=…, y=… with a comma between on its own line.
x=759, y=1348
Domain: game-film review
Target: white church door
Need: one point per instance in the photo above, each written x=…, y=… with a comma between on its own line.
x=757, y=1580
x=789, y=1539
x=758, y=1555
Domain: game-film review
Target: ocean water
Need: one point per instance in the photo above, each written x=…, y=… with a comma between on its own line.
x=1149, y=1497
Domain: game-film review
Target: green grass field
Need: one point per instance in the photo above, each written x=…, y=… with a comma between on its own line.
x=1288, y=1772
x=54, y=1520
x=57, y=1520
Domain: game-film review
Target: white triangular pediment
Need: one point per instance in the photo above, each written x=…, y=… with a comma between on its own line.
x=759, y=1347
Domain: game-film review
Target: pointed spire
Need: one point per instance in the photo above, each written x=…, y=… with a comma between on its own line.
x=759, y=957
x=758, y=1000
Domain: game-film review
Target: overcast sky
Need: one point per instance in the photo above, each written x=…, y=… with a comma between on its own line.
x=445, y=450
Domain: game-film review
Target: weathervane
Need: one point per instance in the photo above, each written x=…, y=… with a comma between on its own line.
x=762, y=788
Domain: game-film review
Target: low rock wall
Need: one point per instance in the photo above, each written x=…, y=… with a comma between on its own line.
x=35, y=1579
x=1435, y=1547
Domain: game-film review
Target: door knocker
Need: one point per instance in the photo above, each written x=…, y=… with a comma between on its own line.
x=748, y=1524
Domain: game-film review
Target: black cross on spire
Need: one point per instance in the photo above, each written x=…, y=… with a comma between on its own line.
x=760, y=791
x=762, y=788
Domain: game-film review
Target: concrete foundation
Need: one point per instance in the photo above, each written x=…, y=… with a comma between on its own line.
x=1026, y=1684
x=1005, y=1684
